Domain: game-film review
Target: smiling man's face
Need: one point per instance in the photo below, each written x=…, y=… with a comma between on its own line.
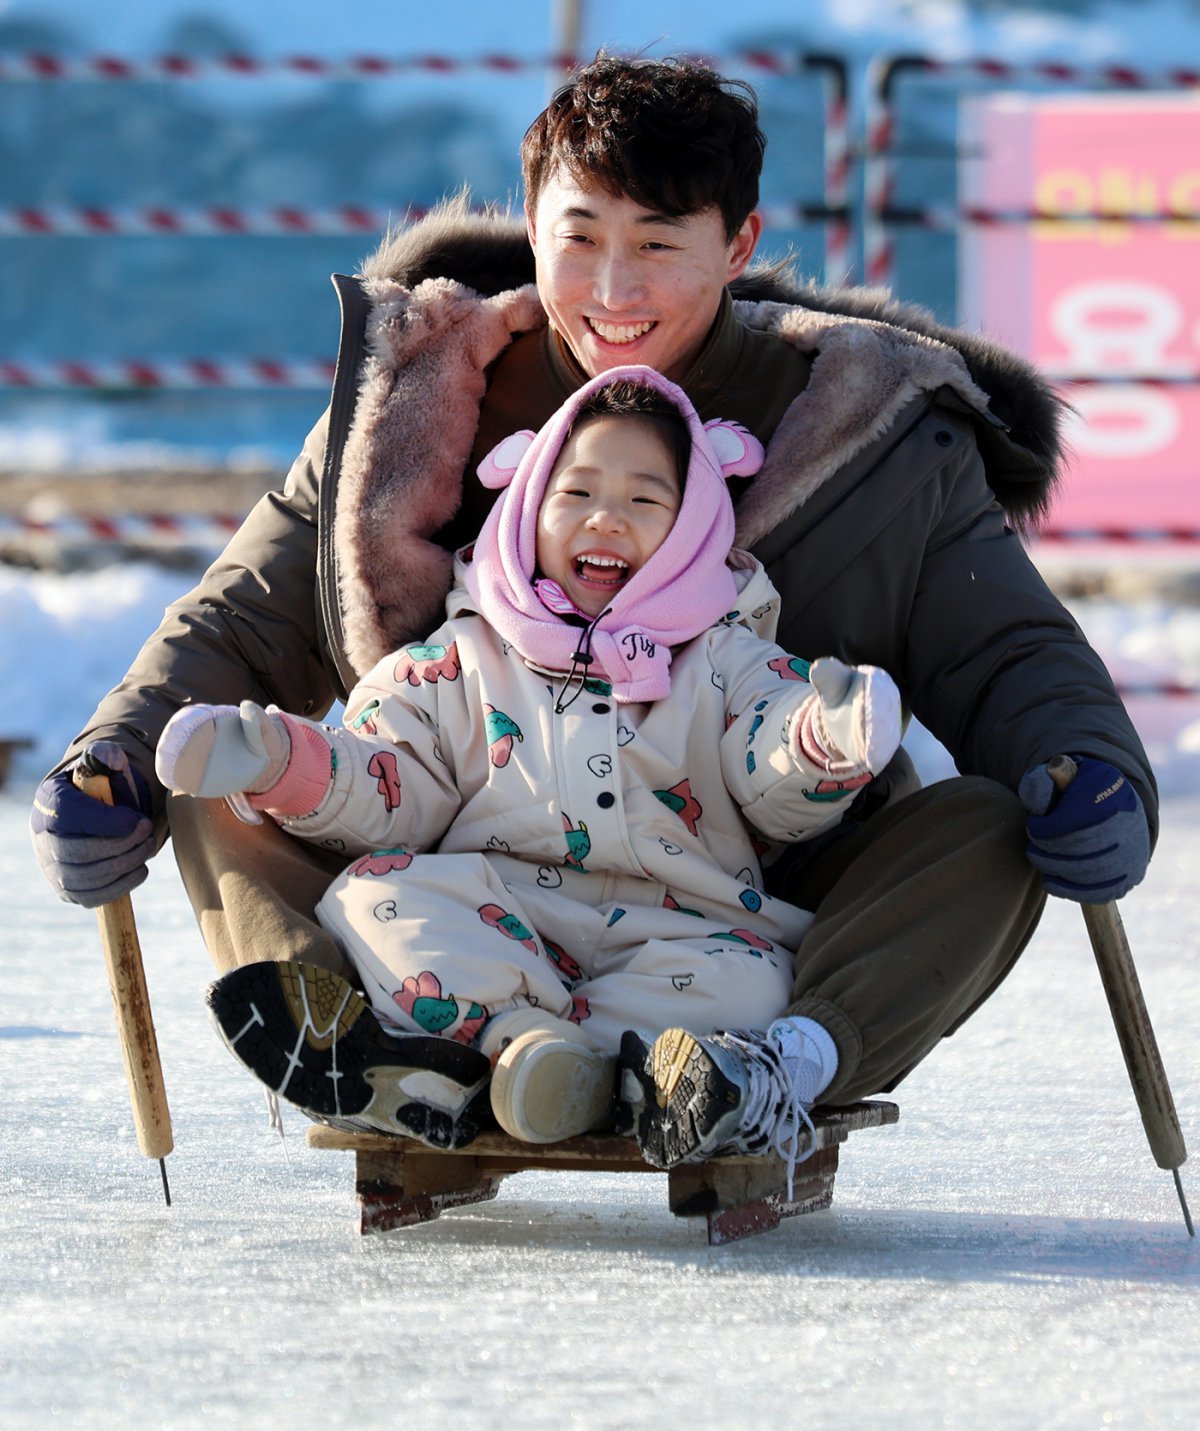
x=623, y=284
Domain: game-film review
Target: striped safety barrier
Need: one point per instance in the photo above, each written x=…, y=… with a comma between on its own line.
x=50, y=220
x=175, y=374
x=280, y=374
x=156, y=529
x=130, y=526
x=45, y=66
x=286, y=221
x=150, y=532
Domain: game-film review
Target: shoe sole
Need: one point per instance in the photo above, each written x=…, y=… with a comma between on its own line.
x=684, y=1107
x=545, y=1090
x=312, y=1039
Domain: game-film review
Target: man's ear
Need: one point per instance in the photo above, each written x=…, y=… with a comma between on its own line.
x=530, y=226
x=742, y=246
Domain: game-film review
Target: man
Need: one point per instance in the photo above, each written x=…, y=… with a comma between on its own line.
x=899, y=457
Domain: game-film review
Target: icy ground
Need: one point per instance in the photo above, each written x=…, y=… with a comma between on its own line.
x=1007, y=1256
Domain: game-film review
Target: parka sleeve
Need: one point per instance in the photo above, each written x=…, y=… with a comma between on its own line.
x=392, y=779
x=909, y=564
x=996, y=667
x=247, y=630
x=782, y=791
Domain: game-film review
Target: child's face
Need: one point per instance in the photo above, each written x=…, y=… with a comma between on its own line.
x=610, y=502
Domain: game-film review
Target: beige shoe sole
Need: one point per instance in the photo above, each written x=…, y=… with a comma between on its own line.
x=546, y=1088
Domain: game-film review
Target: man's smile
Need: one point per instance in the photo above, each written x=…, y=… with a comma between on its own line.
x=618, y=332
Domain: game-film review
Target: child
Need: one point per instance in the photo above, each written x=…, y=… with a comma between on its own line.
x=556, y=806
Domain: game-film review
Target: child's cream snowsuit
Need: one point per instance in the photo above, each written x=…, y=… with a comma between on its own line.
x=595, y=862
x=597, y=854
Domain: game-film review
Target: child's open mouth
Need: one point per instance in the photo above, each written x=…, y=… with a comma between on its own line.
x=601, y=571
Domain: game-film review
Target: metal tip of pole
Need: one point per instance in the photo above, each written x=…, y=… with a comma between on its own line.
x=1187, y=1216
x=162, y=1168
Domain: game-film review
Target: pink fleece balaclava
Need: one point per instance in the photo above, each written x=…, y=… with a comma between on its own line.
x=683, y=589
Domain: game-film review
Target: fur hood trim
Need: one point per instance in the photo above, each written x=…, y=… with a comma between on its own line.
x=451, y=292
x=1022, y=443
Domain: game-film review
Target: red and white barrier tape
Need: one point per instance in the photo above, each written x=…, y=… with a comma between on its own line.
x=283, y=374
x=218, y=221
x=995, y=70
x=155, y=530
x=45, y=66
x=1124, y=536
x=1147, y=380
x=133, y=529
x=135, y=525
x=224, y=221
x=946, y=219
x=174, y=374
x=48, y=220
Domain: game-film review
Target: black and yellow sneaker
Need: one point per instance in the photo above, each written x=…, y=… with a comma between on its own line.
x=315, y=1041
x=736, y=1091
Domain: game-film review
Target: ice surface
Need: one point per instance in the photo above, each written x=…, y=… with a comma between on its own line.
x=1007, y=1256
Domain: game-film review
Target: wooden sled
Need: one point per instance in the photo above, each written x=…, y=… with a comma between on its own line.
x=400, y=1182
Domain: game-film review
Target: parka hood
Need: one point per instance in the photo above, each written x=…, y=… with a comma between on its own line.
x=1020, y=435
x=449, y=294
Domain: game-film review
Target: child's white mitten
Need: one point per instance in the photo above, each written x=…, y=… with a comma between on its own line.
x=213, y=751
x=857, y=715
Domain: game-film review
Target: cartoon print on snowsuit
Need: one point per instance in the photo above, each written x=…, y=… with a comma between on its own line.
x=571, y=841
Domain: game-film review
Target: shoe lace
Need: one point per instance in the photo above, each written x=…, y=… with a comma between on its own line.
x=775, y=1117
x=275, y=1121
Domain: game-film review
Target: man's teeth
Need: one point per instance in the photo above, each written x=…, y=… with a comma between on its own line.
x=620, y=332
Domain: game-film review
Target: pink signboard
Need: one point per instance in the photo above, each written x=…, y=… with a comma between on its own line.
x=1105, y=297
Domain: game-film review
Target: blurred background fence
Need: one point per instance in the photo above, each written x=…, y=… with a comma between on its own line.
x=167, y=225
x=169, y=219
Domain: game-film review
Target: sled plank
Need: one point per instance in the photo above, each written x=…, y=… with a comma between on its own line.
x=401, y=1182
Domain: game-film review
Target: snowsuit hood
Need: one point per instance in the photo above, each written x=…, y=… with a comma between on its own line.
x=684, y=588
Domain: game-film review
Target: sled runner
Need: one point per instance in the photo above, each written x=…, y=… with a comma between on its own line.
x=401, y=1182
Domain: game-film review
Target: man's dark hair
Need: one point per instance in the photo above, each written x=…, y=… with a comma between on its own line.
x=674, y=136
x=626, y=398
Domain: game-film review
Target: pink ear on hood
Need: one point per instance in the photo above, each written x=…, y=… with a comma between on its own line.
x=739, y=452
x=498, y=467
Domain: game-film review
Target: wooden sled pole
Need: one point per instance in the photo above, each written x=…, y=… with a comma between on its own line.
x=1131, y=1019
x=131, y=1005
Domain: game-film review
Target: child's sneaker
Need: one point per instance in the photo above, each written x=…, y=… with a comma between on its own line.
x=732, y=1092
x=548, y=1083
x=312, y=1039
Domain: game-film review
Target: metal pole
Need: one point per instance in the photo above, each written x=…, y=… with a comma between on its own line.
x=566, y=30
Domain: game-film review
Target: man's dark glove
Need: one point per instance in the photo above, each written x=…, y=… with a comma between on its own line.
x=1091, y=841
x=92, y=852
